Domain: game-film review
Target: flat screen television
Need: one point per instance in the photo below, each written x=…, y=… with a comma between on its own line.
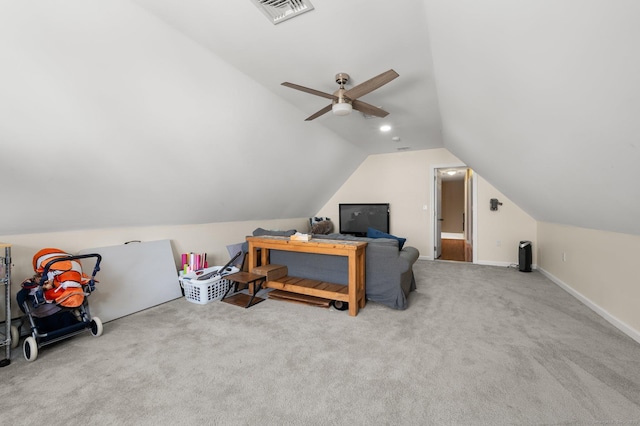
x=355, y=219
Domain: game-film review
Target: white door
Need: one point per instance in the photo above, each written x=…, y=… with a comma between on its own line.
x=469, y=210
x=437, y=219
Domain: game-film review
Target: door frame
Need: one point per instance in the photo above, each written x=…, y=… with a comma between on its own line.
x=474, y=204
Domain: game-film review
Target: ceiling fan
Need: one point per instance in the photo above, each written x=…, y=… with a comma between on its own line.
x=344, y=100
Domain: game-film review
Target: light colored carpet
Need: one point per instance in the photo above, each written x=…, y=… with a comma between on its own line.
x=479, y=345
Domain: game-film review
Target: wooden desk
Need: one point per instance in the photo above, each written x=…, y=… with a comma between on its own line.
x=353, y=293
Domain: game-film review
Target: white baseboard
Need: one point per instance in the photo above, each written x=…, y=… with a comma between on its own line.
x=620, y=325
x=504, y=264
x=493, y=263
x=485, y=262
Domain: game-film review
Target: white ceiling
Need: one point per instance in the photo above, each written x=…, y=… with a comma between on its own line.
x=151, y=104
x=360, y=38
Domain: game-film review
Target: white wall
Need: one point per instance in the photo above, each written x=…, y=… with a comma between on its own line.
x=404, y=180
x=500, y=232
x=399, y=179
x=209, y=238
x=599, y=268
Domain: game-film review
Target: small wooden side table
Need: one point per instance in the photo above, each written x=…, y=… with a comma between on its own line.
x=253, y=281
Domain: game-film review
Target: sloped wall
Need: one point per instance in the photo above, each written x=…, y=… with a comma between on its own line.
x=112, y=118
x=524, y=103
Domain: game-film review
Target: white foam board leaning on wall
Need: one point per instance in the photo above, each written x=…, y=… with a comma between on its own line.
x=132, y=277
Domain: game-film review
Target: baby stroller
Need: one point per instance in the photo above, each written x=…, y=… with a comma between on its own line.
x=55, y=299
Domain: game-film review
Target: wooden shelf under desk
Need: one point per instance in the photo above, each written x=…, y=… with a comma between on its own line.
x=309, y=287
x=353, y=292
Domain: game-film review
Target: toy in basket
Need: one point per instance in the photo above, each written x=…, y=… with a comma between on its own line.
x=207, y=285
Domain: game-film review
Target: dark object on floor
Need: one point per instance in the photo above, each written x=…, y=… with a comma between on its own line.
x=340, y=305
x=524, y=256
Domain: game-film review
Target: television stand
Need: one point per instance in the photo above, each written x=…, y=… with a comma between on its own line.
x=353, y=292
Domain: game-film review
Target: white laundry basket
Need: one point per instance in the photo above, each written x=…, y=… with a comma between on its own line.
x=205, y=291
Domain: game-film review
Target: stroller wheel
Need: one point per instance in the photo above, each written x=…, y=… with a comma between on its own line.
x=96, y=327
x=15, y=337
x=30, y=349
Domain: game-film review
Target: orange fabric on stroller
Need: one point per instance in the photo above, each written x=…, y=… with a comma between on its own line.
x=65, y=277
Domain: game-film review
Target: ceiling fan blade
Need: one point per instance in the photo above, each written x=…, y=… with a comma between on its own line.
x=368, y=109
x=319, y=113
x=312, y=91
x=370, y=85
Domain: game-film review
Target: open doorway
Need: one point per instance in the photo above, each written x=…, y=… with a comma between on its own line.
x=453, y=214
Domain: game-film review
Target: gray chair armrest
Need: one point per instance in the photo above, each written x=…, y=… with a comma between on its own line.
x=410, y=255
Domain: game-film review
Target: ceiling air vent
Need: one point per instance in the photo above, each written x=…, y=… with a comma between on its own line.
x=281, y=10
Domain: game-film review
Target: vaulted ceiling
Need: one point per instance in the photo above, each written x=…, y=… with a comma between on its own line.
x=139, y=112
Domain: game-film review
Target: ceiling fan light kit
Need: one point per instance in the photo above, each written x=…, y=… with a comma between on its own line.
x=342, y=108
x=344, y=100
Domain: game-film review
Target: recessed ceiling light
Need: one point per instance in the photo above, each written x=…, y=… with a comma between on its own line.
x=396, y=138
x=385, y=128
x=451, y=172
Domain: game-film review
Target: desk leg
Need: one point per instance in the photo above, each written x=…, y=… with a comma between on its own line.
x=353, y=285
x=362, y=297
